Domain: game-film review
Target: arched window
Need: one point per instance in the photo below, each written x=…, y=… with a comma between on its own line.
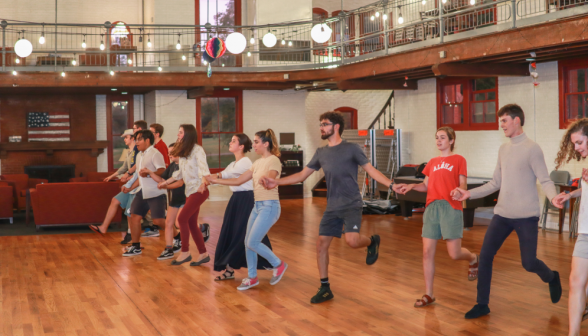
x=121, y=38
x=350, y=116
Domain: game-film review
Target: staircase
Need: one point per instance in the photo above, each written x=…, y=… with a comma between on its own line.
x=384, y=120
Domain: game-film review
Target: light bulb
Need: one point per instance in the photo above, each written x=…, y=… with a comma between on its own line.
x=283, y=42
x=42, y=39
x=443, y=1
x=372, y=18
x=400, y=19
x=17, y=60
x=183, y=57
x=130, y=61
x=111, y=73
x=159, y=68
x=384, y=17
x=73, y=62
x=149, y=43
x=252, y=40
x=84, y=44
x=424, y=2
x=178, y=46
x=472, y=2
x=249, y=54
x=63, y=74
x=223, y=64
x=102, y=47
x=289, y=43
x=204, y=62
x=377, y=14
x=14, y=73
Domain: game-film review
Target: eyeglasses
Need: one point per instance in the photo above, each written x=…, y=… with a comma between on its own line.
x=325, y=124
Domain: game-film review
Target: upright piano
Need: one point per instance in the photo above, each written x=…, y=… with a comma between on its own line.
x=407, y=201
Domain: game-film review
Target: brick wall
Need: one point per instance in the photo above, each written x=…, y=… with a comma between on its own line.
x=82, y=111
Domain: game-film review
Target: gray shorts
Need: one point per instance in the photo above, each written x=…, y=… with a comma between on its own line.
x=441, y=220
x=334, y=222
x=581, y=247
x=141, y=206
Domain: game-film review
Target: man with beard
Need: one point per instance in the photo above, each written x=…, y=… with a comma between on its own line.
x=339, y=161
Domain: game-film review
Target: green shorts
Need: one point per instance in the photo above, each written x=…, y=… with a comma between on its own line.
x=442, y=221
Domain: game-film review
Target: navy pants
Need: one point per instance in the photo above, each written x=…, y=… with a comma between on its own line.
x=500, y=228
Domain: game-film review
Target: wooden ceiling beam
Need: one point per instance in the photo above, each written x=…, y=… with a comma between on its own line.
x=378, y=85
x=480, y=70
x=203, y=91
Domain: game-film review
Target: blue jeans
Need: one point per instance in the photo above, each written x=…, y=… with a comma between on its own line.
x=263, y=216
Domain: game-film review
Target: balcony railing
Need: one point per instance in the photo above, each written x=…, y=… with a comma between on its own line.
x=382, y=28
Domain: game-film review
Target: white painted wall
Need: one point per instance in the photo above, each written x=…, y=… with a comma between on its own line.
x=335, y=5
x=275, y=11
x=102, y=159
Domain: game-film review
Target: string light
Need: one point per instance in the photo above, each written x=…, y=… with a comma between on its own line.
x=400, y=18
x=385, y=17
x=111, y=73
x=183, y=57
x=84, y=42
x=159, y=67
x=42, y=38
x=377, y=14
x=17, y=60
x=289, y=43
x=148, y=41
x=63, y=74
x=102, y=47
x=14, y=73
x=74, y=62
x=372, y=18
x=249, y=54
x=252, y=40
x=130, y=61
x=178, y=45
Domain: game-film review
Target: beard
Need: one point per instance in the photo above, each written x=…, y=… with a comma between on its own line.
x=327, y=134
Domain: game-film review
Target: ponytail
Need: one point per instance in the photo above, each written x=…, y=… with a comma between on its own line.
x=270, y=137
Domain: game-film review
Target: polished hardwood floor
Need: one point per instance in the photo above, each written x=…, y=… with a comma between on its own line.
x=79, y=284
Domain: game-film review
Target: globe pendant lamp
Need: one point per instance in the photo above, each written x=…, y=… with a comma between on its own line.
x=269, y=40
x=23, y=47
x=236, y=43
x=321, y=33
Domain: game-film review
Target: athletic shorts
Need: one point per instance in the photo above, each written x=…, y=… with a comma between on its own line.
x=441, y=220
x=125, y=199
x=141, y=206
x=581, y=247
x=334, y=223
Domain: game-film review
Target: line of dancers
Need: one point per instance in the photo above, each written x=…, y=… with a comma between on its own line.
x=254, y=206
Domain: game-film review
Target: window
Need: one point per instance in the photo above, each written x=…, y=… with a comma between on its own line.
x=229, y=14
x=467, y=104
x=220, y=117
x=350, y=116
x=573, y=91
x=348, y=34
x=119, y=118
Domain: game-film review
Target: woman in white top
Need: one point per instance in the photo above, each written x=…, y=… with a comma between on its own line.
x=230, y=249
x=193, y=168
x=574, y=145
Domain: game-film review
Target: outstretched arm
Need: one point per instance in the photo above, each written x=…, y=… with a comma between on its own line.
x=376, y=175
x=270, y=182
x=421, y=187
x=246, y=176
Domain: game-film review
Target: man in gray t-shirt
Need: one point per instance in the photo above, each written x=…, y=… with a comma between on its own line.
x=339, y=160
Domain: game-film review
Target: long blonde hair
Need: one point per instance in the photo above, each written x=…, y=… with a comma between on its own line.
x=566, y=147
x=269, y=136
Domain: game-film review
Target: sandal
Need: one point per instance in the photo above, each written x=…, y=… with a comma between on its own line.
x=473, y=270
x=96, y=229
x=585, y=316
x=224, y=276
x=425, y=301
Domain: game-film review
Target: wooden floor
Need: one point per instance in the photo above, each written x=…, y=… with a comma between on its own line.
x=81, y=285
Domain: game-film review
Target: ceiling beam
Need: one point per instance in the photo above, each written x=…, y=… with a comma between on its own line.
x=203, y=91
x=480, y=70
x=377, y=85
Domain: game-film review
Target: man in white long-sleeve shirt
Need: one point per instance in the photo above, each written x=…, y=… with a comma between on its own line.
x=520, y=165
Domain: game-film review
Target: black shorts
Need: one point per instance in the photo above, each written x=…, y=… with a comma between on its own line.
x=333, y=222
x=141, y=206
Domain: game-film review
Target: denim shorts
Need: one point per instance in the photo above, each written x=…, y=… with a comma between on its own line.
x=441, y=220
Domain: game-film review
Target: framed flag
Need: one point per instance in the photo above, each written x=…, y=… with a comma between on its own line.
x=48, y=126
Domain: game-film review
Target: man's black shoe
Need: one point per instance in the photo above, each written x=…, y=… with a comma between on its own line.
x=323, y=294
x=478, y=311
x=373, y=250
x=205, y=228
x=127, y=239
x=555, y=287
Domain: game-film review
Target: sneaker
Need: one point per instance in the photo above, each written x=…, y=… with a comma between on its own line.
x=555, y=288
x=166, y=254
x=278, y=273
x=248, y=283
x=372, y=250
x=177, y=247
x=478, y=311
x=205, y=228
x=323, y=294
x=126, y=239
x=150, y=233
x=132, y=251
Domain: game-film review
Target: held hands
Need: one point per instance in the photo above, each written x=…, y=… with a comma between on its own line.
x=268, y=183
x=203, y=187
x=210, y=179
x=162, y=185
x=145, y=172
x=459, y=194
x=559, y=200
x=125, y=178
x=403, y=188
x=125, y=190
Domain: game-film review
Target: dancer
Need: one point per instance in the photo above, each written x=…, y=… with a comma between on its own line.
x=520, y=165
x=230, y=249
x=339, y=160
x=443, y=216
x=267, y=208
x=193, y=168
x=574, y=145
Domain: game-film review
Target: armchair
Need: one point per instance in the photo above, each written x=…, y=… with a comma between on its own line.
x=6, y=201
x=20, y=182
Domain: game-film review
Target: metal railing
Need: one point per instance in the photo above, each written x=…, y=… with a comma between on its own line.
x=382, y=28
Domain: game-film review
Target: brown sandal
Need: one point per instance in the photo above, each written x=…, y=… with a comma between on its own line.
x=96, y=229
x=473, y=270
x=425, y=301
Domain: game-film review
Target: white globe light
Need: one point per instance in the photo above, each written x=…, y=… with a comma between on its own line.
x=23, y=48
x=236, y=43
x=269, y=40
x=400, y=19
x=42, y=39
x=321, y=33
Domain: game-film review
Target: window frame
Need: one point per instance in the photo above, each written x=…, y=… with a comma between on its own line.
x=468, y=100
x=199, y=31
x=220, y=93
x=563, y=68
x=347, y=109
x=110, y=98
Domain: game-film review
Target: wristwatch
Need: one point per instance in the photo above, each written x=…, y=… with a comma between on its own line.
x=391, y=185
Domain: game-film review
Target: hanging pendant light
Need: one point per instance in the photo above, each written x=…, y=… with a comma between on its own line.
x=178, y=45
x=102, y=47
x=400, y=18
x=74, y=62
x=148, y=41
x=183, y=57
x=17, y=60
x=321, y=33
x=159, y=67
x=269, y=39
x=42, y=38
x=84, y=42
x=23, y=47
x=252, y=40
x=385, y=17
x=236, y=43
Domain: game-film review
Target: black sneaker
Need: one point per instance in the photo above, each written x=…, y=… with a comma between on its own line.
x=323, y=294
x=205, y=228
x=372, y=250
x=555, y=288
x=478, y=311
x=177, y=245
x=166, y=254
x=132, y=251
x=126, y=239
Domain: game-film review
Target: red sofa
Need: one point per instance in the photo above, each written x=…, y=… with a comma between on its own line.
x=20, y=182
x=59, y=204
x=6, y=201
x=92, y=177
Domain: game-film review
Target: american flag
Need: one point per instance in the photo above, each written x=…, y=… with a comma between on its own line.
x=48, y=126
